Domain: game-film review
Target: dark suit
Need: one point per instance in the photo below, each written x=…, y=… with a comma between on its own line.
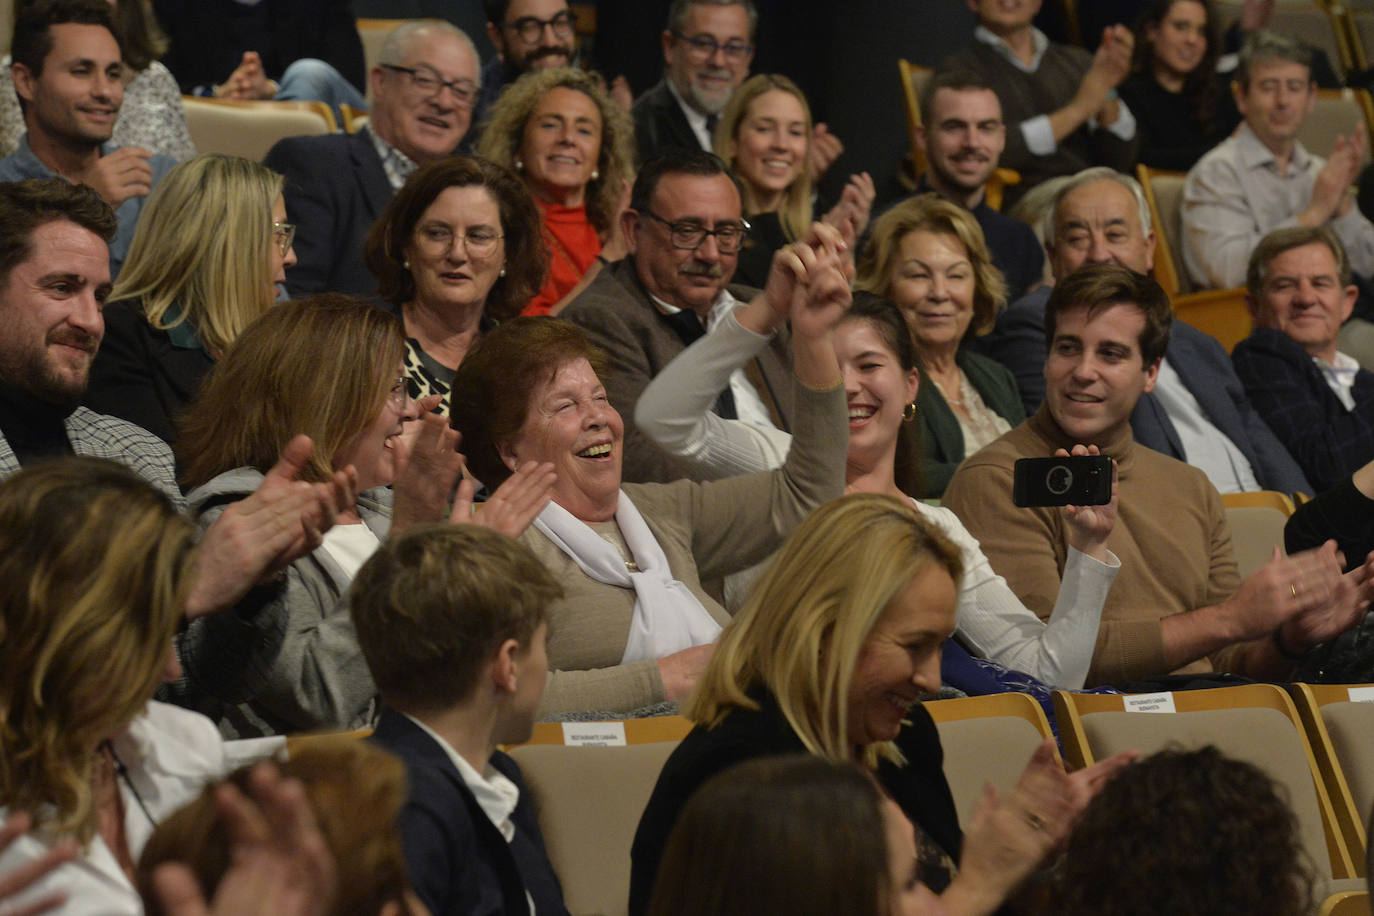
x=1291, y=394
x=1018, y=342
x=624, y=322
x=142, y=374
x=335, y=190
x=459, y=863
x=660, y=123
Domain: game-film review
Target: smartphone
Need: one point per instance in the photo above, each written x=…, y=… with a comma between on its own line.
x=1081, y=481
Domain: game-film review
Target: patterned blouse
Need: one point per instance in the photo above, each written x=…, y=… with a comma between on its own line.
x=151, y=116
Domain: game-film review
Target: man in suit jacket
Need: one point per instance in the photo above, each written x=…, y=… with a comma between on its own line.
x=338, y=184
x=452, y=621
x=707, y=49
x=1198, y=411
x=1317, y=399
x=645, y=309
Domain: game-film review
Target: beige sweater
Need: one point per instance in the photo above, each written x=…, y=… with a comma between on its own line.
x=706, y=530
x=1171, y=535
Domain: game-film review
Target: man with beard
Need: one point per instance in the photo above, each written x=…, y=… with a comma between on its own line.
x=684, y=232
x=69, y=76
x=962, y=138
x=528, y=35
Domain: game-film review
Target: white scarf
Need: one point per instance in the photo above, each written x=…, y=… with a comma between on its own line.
x=667, y=616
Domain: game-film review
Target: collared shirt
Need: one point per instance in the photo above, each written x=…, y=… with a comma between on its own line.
x=695, y=119
x=1204, y=445
x=1340, y=377
x=1037, y=130
x=396, y=164
x=1236, y=195
x=749, y=407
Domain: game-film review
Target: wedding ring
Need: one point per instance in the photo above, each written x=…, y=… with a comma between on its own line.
x=1294, y=589
x=1036, y=821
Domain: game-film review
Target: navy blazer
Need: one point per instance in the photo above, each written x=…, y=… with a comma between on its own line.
x=660, y=123
x=459, y=863
x=335, y=190
x=1330, y=442
x=1018, y=342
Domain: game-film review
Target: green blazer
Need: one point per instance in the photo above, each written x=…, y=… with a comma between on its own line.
x=942, y=442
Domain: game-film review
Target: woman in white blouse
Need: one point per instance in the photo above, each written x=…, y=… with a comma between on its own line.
x=881, y=382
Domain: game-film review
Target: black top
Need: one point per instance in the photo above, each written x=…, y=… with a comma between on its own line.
x=919, y=788
x=35, y=429
x=765, y=237
x=1343, y=513
x=143, y=374
x=1172, y=136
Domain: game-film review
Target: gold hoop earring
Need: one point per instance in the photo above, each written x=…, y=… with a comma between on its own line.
x=909, y=412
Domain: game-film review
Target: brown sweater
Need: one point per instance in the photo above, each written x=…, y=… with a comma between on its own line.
x=1171, y=535
x=706, y=530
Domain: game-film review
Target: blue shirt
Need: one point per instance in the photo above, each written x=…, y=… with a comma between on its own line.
x=23, y=164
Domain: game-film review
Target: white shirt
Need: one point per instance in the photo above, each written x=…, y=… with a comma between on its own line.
x=1340, y=377
x=695, y=120
x=1037, y=130
x=170, y=754
x=350, y=546
x=1204, y=445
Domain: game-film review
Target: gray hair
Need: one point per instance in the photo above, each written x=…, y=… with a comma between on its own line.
x=677, y=13
x=1088, y=176
x=1267, y=45
x=398, y=44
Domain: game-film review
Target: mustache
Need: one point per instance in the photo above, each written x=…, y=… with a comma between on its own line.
x=699, y=269
x=75, y=337
x=722, y=73
x=547, y=51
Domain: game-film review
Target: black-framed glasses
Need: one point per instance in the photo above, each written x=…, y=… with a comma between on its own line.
x=531, y=29
x=478, y=242
x=690, y=236
x=705, y=47
x=283, y=234
x=464, y=92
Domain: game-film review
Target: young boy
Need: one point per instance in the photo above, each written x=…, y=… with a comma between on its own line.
x=452, y=623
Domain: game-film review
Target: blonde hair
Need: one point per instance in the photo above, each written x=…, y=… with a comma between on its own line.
x=800, y=634
x=321, y=365
x=202, y=245
x=932, y=213
x=504, y=131
x=93, y=579
x=356, y=791
x=795, y=212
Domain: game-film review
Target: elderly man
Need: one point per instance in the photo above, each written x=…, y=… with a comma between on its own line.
x=963, y=138
x=1178, y=605
x=1059, y=101
x=1198, y=411
x=1317, y=399
x=423, y=90
x=70, y=80
x=1262, y=178
x=684, y=233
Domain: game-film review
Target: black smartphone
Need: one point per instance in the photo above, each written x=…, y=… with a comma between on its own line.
x=1082, y=481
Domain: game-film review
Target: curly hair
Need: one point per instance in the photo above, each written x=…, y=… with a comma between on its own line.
x=503, y=132
x=391, y=236
x=1185, y=832
x=94, y=568
x=932, y=213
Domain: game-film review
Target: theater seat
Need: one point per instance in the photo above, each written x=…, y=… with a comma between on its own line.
x=1339, y=719
x=249, y=129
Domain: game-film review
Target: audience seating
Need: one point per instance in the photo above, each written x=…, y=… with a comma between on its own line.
x=589, y=801
x=1255, y=722
x=987, y=739
x=1341, y=731
x=353, y=118
x=6, y=25
x=1337, y=113
x=1268, y=499
x=1317, y=24
x=1255, y=532
x=1350, y=903
x=373, y=32
x=1358, y=19
x=1164, y=195
x=914, y=79
x=295, y=742
x=1220, y=312
x=249, y=129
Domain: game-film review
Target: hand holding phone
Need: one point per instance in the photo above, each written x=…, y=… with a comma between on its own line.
x=1083, y=480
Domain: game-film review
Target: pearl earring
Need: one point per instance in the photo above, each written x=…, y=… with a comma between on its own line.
x=519, y=165
x=595, y=174
x=406, y=264
x=503, y=272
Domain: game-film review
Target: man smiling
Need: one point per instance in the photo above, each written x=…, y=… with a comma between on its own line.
x=1178, y=604
x=69, y=76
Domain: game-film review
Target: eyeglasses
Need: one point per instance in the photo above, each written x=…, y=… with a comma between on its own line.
x=704, y=47
x=283, y=234
x=478, y=242
x=400, y=390
x=690, y=236
x=531, y=29
x=429, y=83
